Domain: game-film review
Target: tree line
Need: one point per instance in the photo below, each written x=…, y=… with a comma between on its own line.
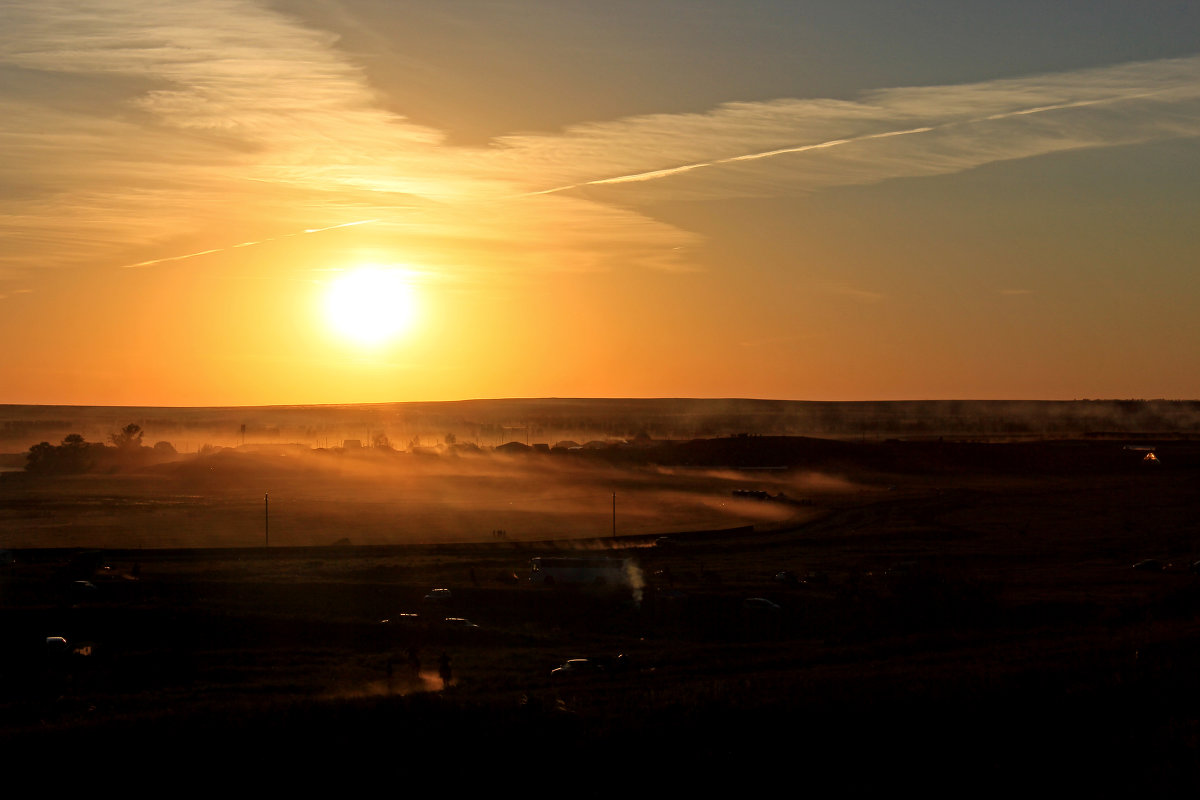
x=75, y=454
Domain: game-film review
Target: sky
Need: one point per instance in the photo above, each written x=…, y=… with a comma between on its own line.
x=251, y=202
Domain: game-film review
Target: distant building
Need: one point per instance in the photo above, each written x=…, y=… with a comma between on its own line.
x=352, y=444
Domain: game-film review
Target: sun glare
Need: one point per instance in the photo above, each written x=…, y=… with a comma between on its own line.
x=370, y=305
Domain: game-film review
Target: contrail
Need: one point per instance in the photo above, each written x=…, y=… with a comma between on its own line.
x=154, y=261
x=1076, y=104
x=662, y=173
x=670, y=171
x=331, y=227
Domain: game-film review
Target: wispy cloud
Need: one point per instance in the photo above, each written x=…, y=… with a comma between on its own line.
x=211, y=251
x=136, y=133
x=208, y=111
x=792, y=146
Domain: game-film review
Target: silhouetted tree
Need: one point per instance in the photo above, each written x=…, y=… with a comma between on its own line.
x=128, y=438
x=40, y=457
x=451, y=438
x=73, y=455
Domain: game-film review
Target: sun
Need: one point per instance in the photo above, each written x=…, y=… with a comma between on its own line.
x=371, y=305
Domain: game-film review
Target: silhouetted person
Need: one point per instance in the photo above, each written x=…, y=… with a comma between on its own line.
x=444, y=670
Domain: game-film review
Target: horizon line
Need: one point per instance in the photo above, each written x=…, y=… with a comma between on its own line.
x=599, y=398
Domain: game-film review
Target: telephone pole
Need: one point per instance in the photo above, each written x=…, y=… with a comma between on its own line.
x=267, y=518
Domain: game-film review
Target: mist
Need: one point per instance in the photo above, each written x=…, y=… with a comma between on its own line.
x=290, y=497
x=490, y=423
x=511, y=470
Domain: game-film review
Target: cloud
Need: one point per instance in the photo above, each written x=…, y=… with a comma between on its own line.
x=796, y=146
x=211, y=108
x=141, y=132
x=186, y=256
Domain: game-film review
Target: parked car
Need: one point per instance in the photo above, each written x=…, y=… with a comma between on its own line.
x=438, y=596
x=581, y=669
x=760, y=605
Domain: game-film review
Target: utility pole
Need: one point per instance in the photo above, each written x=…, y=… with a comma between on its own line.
x=614, y=515
x=267, y=517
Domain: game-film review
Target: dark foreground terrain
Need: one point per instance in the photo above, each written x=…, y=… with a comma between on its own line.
x=968, y=621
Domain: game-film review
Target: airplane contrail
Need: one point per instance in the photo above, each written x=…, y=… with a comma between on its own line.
x=670, y=171
x=154, y=261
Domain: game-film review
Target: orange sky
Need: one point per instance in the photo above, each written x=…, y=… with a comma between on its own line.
x=595, y=204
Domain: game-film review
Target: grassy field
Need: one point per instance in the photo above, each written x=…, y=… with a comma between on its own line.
x=953, y=621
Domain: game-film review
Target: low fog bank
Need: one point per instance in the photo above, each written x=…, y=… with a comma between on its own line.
x=491, y=423
x=128, y=485
x=296, y=496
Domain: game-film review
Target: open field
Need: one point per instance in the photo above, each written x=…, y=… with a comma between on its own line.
x=959, y=619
